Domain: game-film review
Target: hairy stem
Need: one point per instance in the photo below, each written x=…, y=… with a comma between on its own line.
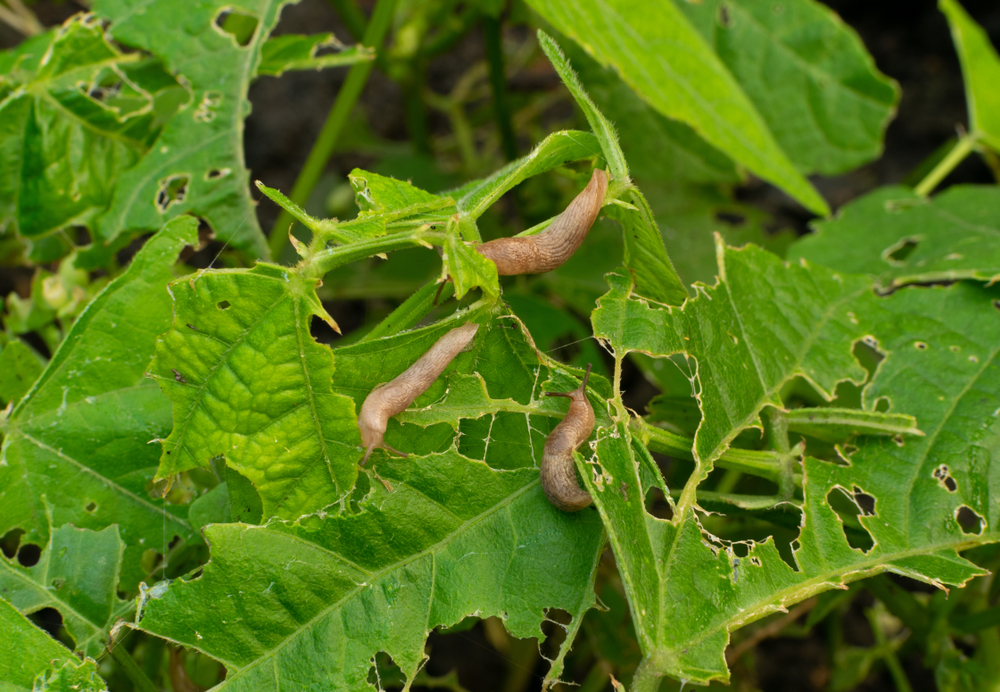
x=946, y=165
x=647, y=677
x=132, y=671
x=377, y=28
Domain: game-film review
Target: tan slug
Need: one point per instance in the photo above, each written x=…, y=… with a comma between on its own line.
x=557, y=243
x=558, y=470
x=395, y=396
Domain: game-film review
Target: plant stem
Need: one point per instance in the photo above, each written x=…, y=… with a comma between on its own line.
x=411, y=311
x=888, y=654
x=374, y=34
x=764, y=464
x=961, y=149
x=352, y=17
x=329, y=259
x=647, y=678
x=498, y=82
x=975, y=622
x=139, y=680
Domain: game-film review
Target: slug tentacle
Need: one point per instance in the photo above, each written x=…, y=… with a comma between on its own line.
x=557, y=243
x=395, y=396
x=558, y=471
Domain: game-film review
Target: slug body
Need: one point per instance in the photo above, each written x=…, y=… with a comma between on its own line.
x=395, y=396
x=558, y=470
x=557, y=243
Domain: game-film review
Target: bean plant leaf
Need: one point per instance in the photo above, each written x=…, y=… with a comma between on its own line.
x=19, y=368
x=980, y=70
x=196, y=165
x=77, y=574
x=688, y=590
x=77, y=445
x=764, y=323
x=30, y=659
x=663, y=58
x=452, y=537
x=680, y=154
x=287, y=52
x=76, y=113
x=807, y=73
x=248, y=382
x=900, y=238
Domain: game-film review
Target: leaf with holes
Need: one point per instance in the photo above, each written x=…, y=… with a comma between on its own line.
x=77, y=574
x=31, y=659
x=660, y=54
x=452, y=537
x=77, y=445
x=807, y=73
x=196, y=165
x=904, y=505
x=980, y=69
x=249, y=382
x=899, y=238
x=296, y=52
x=764, y=323
x=76, y=113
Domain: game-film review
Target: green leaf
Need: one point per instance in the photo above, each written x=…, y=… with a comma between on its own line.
x=317, y=601
x=77, y=574
x=679, y=154
x=73, y=123
x=249, y=382
x=687, y=590
x=664, y=59
x=764, y=323
x=807, y=73
x=79, y=440
x=981, y=71
x=296, y=52
x=32, y=660
x=19, y=368
x=196, y=165
x=899, y=238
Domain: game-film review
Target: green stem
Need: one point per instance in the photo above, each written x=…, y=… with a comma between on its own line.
x=327, y=260
x=961, y=149
x=374, y=34
x=411, y=311
x=888, y=655
x=498, y=82
x=763, y=464
x=449, y=36
x=352, y=17
x=139, y=680
x=647, y=678
x=415, y=110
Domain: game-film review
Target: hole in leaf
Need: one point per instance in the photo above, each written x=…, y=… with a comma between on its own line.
x=217, y=173
x=943, y=475
x=223, y=305
x=10, y=541
x=173, y=542
x=91, y=507
x=240, y=25
x=899, y=251
x=882, y=404
x=150, y=560
x=193, y=670
x=51, y=620
x=969, y=520
x=920, y=345
x=321, y=331
x=29, y=554
x=865, y=501
x=173, y=190
x=847, y=508
x=730, y=217
x=384, y=673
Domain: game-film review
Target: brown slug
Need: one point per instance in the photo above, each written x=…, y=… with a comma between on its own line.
x=557, y=243
x=395, y=396
x=558, y=470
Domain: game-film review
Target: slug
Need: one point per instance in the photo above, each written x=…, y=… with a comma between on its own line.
x=395, y=396
x=558, y=470
x=557, y=243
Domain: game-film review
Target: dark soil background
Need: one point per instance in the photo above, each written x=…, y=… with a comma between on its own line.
x=910, y=42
